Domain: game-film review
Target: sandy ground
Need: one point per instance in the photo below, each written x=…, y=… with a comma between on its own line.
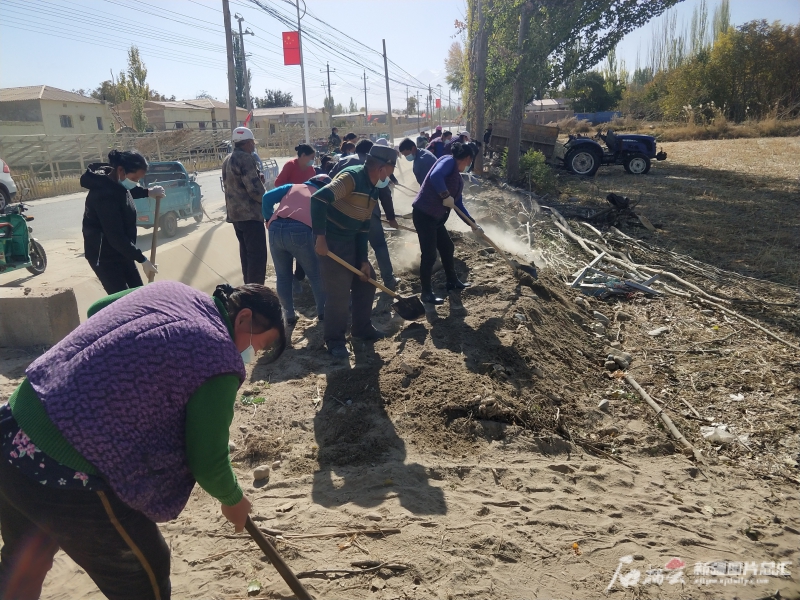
x=469, y=447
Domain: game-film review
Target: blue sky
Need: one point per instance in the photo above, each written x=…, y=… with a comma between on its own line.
x=74, y=44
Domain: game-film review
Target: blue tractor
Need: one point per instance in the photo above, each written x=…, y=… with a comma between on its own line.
x=583, y=155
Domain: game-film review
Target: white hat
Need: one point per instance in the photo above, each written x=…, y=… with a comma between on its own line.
x=241, y=134
x=382, y=142
x=466, y=133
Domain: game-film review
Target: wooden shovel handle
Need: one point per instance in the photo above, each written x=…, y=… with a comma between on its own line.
x=152, y=276
x=350, y=267
x=487, y=239
x=400, y=226
x=281, y=567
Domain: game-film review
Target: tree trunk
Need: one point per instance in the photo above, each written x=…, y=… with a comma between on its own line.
x=482, y=44
x=518, y=104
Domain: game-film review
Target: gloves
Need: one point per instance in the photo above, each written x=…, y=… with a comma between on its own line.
x=449, y=202
x=476, y=228
x=149, y=268
x=156, y=192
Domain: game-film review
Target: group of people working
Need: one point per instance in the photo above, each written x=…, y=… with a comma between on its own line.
x=96, y=453
x=314, y=214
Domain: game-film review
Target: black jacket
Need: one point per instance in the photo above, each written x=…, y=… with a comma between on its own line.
x=109, y=220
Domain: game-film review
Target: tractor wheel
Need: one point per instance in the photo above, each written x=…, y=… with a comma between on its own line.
x=38, y=258
x=637, y=164
x=198, y=217
x=582, y=161
x=169, y=224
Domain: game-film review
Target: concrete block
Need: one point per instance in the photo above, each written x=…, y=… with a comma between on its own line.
x=36, y=317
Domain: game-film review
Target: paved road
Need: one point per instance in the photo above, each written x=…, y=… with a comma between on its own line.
x=59, y=218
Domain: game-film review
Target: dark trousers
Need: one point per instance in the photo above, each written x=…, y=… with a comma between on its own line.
x=341, y=286
x=118, y=275
x=377, y=239
x=252, y=236
x=119, y=548
x=432, y=237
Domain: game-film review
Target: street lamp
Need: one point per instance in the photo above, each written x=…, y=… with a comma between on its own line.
x=439, y=85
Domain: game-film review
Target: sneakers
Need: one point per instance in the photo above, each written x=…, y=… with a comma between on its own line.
x=339, y=352
x=456, y=284
x=430, y=298
x=392, y=283
x=371, y=336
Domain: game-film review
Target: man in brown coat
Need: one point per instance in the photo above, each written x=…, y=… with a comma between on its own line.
x=244, y=189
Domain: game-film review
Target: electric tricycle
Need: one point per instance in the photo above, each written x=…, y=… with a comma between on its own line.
x=18, y=248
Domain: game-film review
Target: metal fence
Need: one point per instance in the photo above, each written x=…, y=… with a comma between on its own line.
x=52, y=165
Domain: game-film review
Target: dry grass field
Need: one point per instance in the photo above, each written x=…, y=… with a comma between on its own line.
x=732, y=203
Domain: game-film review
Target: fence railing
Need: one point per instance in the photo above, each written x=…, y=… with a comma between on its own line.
x=52, y=165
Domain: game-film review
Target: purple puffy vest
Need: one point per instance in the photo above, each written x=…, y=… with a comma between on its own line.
x=118, y=385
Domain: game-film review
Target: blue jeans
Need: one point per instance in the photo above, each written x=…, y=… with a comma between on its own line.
x=377, y=239
x=289, y=240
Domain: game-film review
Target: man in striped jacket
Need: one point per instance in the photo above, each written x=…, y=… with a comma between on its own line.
x=340, y=218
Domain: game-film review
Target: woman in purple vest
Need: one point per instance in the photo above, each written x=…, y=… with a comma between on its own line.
x=113, y=426
x=440, y=192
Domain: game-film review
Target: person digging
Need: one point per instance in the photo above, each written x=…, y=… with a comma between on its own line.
x=440, y=192
x=341, y=213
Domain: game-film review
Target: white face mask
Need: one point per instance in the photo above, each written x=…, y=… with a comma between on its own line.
x=128, y=184
x=249, y=353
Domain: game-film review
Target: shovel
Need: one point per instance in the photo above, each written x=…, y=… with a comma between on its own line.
x=281, y=567
x=514, y=265
x=409, y=308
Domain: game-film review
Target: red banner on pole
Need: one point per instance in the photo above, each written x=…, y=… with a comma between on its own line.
x=291, y=48
x=438, y=103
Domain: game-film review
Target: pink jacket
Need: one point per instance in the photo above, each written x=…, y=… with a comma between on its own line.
x=296, y=204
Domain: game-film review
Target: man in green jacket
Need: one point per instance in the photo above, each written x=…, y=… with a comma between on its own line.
x=340, y=218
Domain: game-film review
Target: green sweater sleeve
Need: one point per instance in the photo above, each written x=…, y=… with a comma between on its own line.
x=103, y=302
x=208, y=420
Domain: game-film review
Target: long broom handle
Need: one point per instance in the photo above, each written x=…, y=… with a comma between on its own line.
x=487, y=239
x=281, y=567
x=152, y=276
x=350, y=267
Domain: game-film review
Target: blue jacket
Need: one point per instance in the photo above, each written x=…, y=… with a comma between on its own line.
x=423, y=161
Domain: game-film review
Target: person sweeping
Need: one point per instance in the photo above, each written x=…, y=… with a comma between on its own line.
x=440, y=192
x=109, y=220
x=113, y=426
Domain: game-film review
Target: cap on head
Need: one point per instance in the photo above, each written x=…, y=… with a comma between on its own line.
x=241, y=134
x=438, y=128
x=384, y=154
x=382, y=142
x=466, y=133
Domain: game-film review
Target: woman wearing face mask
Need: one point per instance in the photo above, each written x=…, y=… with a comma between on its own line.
x=96, y=450
x=441, y=191
x=300, y=169
x=109, y=220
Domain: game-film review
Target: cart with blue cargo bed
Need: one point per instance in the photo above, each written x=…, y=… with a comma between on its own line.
x=183, y=198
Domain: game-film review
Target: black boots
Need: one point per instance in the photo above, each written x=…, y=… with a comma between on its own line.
x=456, y=284
x=429, y=298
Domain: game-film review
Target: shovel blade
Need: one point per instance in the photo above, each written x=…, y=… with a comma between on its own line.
x=410, y=308
x=530, y=270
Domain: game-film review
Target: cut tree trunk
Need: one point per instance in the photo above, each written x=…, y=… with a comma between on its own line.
x=518, y=104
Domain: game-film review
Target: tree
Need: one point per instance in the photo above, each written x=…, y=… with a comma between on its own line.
x=588, y=93
x=454, y=66
x=330, y=106
x=274, y=99
x=243, y=79
x=352, y=108
x=138, y=90
x=535, y=45
x=411, y=105
x=203, y=94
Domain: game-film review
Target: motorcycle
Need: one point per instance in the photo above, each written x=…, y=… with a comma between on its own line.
x=18, y=248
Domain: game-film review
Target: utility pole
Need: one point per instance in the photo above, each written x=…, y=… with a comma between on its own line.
x=330, y=96
x=430, y=105
x=365, y=96
x=440, y=103
x=245, y=74
x=226, y=14
x=389, y=116
x=419, y=129
x=302, y=71
x=406, y=100
x=449, y=107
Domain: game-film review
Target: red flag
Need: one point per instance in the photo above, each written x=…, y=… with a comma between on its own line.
x=249, y=116
x=438, y=103
x=291, y=48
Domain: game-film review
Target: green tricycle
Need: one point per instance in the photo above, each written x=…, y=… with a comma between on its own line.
x=18, y=248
